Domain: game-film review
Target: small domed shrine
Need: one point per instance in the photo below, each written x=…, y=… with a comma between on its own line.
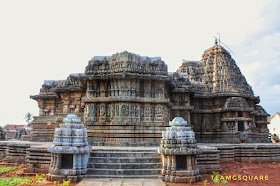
x=70, y=151
x=178, y=148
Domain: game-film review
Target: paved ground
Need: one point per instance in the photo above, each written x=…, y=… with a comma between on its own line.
x=120, y=182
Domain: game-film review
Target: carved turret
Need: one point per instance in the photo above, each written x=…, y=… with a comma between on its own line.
x=126, y=62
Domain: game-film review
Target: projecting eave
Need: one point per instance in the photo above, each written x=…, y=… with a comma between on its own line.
x=36, y=97
x=183, y=89
x=125, y=75
x=211, y=95
x=237, y=109
x=68, y=89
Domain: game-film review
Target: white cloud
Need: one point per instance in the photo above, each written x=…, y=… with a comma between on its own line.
x=258, y=57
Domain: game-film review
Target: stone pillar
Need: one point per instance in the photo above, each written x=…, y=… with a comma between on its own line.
x=164, y=164
x=173, y=167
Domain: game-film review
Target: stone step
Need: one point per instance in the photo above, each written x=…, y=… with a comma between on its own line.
x=123, y=154
x=124, y=165
x=124, y=176
x=125, y=150
x=125, y=160
x=110, y=172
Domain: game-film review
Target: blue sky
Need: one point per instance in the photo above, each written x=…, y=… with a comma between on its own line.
x=260, y=56
x=49, y=40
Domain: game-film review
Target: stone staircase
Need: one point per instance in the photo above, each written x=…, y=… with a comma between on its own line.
x=124, y=163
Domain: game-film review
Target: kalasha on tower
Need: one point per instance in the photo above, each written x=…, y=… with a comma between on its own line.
x=128, y=100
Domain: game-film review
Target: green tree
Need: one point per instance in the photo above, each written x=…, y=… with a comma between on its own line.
x=28, y=117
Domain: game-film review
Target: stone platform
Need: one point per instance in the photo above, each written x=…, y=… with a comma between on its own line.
x=37, y=159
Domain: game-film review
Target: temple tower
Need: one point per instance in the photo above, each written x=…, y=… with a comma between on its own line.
x=126, y=101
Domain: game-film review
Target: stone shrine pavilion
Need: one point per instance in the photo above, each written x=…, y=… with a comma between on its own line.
x=128, y=100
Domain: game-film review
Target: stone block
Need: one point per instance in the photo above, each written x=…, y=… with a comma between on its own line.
x=185, y=179
x=184, y=173
x=68, y=172
x=167, y=178
x=80, y=177
x=77, y=172
x=44, y=166
x=168, y=172
x=83, y=171
x=172, y=179
x=48, y=176
x=41, y=171
x=57, y=178
x=72, y=178
x=29, y=166
x=29, y=170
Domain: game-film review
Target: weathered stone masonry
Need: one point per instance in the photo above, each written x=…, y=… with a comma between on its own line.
x=38, y=159
x=127, y=99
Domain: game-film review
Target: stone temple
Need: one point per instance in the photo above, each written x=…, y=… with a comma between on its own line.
x=128, y=100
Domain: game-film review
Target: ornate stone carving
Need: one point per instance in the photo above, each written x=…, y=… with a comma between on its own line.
x=159, y=111
x=137, y=111
x=102, y=110
x=91, y=112
x=124, y=110
x=147, y=111
x=117, y=110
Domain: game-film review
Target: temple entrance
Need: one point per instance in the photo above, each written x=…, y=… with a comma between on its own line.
x=181, y=162
x=67, y=161
x=240, y=125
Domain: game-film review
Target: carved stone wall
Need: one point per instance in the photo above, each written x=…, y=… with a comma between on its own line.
x=128, y=99
x=125, y=111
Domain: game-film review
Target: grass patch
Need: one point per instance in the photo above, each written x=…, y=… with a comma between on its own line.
x=7, y=169
x=12, y=181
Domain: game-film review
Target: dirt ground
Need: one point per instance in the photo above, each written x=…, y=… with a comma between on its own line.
x=268, y=171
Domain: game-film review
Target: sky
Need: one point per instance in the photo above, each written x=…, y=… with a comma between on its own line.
x=48, y=40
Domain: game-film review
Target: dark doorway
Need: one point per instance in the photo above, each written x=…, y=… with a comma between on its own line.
x=142, y=88
x=240, y=114
x=67, y=161
x=240, y=125
x=181, y=162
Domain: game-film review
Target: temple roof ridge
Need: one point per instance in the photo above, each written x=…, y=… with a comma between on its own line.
x=101, y=58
